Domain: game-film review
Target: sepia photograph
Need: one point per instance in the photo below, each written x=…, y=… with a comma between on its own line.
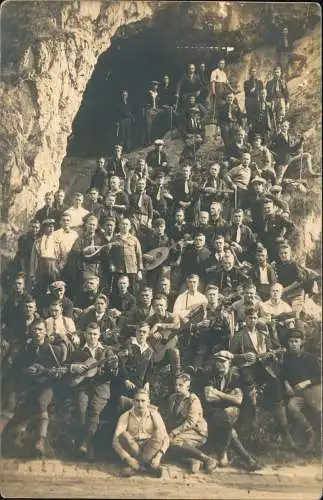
x=160, y=249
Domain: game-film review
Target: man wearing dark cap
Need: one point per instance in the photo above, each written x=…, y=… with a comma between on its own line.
x=301, y=373
x=223, y=398
x=156, y=159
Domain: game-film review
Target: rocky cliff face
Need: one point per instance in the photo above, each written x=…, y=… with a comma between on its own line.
x=41, y=96
x=49, y=52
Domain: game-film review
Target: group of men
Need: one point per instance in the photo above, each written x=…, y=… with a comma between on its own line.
x=150, y=274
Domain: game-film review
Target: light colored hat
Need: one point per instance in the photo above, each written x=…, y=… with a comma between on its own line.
x=159, y=142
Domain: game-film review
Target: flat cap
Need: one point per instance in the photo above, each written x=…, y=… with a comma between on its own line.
x=224, y=355
x=294, y=333
x=155, y=82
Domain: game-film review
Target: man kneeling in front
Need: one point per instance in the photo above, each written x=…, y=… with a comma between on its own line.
x=140, y=437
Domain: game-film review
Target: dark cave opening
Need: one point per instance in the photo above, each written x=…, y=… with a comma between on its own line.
x=132, y=62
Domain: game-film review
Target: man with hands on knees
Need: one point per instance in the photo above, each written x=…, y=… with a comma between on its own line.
x=140, y=437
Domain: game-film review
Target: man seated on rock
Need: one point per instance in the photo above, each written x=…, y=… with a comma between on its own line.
x=262, y=161
x=140, y=438
x=287, y=153
x=238, y=146
x=238, y=178
x=262, y=273
x=35, y=382
x=273, y=228
x=240, y=236
x=211, y=189
x=188, y=428
x=117, y=164
x=289, y=274
x=157, y=159
x=223, y=398
x=301, y=373
x=92, y=392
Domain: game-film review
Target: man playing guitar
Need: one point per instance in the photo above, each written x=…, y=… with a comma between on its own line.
x=163, y=338
x=93, y=367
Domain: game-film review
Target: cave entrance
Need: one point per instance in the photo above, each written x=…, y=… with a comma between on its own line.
x=131, y=62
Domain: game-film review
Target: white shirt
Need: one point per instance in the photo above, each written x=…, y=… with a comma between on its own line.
x=275, y=309
x=263, y=275
x=259, y=346
x=219, y=76
x=59, y=326
x=65, y=240
x=186, y=301
x=77, y=215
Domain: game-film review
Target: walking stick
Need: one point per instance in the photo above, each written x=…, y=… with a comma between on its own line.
x=301, y=167
x=171, y=117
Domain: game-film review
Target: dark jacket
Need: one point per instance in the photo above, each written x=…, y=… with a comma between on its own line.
x=283, y=149
x=135, y=365
x=282, y=92
x=249, y=84
x=195, y=261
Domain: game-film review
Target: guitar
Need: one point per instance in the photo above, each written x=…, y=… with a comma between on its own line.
x=264, y=359
x=170, y=337
x=91, y=369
